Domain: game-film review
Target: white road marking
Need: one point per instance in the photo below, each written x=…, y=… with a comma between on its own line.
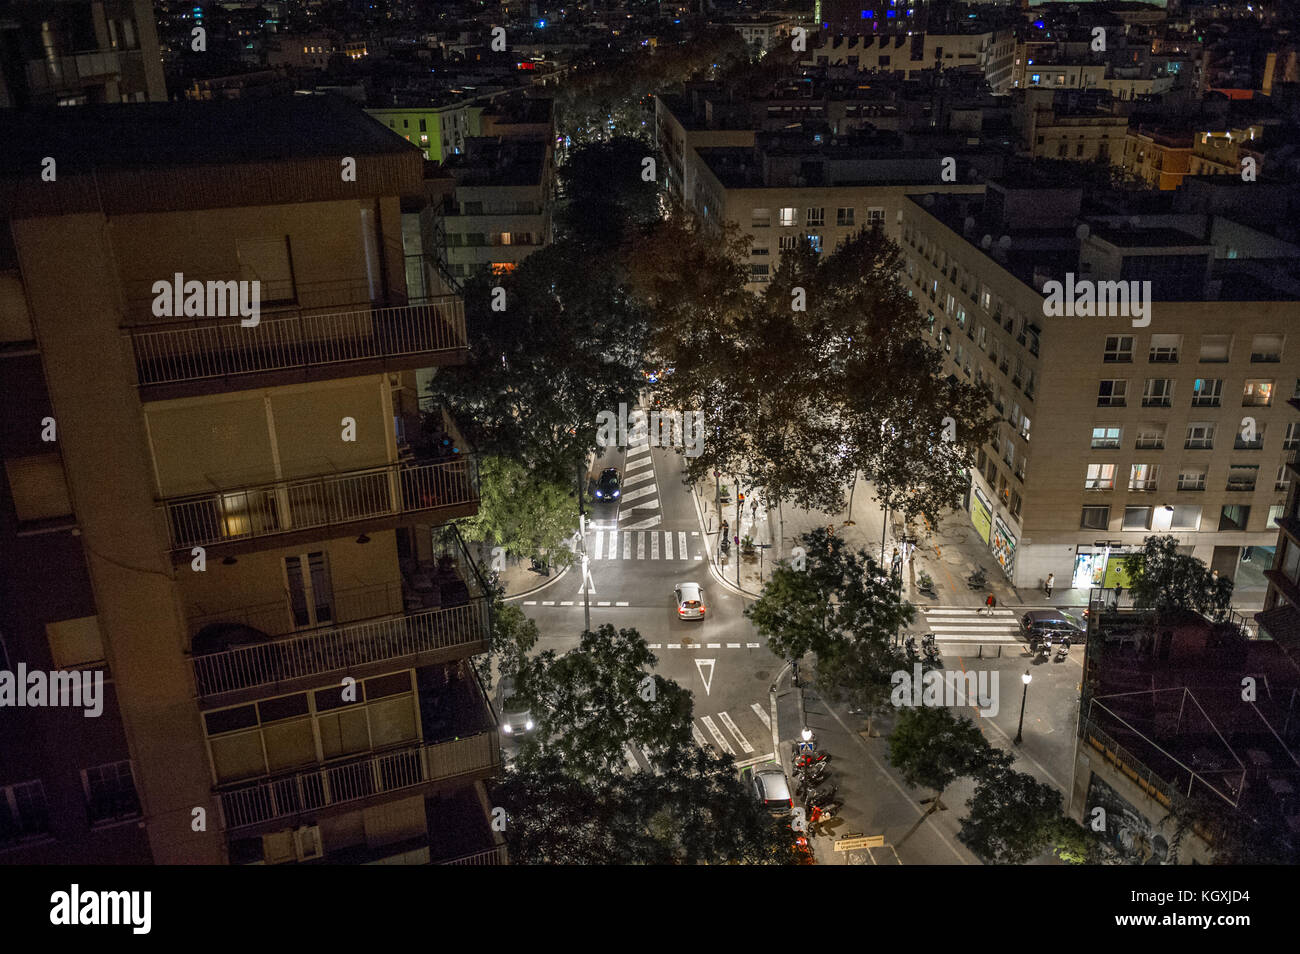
x=654, y=546
x=530, y=602
x=566, y=602
x=620, y=604
x=600, y=546
x=668, y=545
x=708, y=682
x=603, y=603
x=714, y=646
x=698, y=736
x=548, y=602
x=638, y=494
x=717, y=736
x=681, y=544
x=646, y=524
x=762, y=715
x=640, y=546
x=735, y=730
x=627, y=546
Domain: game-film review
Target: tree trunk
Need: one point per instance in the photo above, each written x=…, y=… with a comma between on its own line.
x=934, y=807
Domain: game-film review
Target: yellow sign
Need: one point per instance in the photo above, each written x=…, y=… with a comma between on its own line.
x=981, y=514
x=1116, y=575
x=866, y=841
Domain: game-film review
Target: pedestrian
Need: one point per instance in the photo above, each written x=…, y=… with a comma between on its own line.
x=990, y=603
x=1051, y=581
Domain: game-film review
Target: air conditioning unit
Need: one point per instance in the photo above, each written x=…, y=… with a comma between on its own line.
x=307, y=842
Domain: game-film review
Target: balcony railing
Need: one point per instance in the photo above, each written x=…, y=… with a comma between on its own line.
x=342, y=648
x=489, y=856
x=350, y=781
x=67, y=72
x=288, y=505
x=170, y=354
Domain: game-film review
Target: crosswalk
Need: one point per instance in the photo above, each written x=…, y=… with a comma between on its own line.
x=639, y=506
x=605, y=543
x=720, y=732
x=970, y=624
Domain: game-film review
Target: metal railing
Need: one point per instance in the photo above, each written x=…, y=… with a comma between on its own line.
x=168, y=354
x=488, y=856
x=341, y=648
x=276, y=618
x=65, y=72
x=355, y=779
x=287, y=505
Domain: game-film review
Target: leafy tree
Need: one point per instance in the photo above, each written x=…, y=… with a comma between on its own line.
x=932, y=748
x=607, y=196
x=522, y=512
x=593, y=700
x=1166, y=582
x=511, y=638
x=1013, y=818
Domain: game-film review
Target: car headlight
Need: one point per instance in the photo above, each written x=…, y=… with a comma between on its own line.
x=616, y=493
x=600, y=493
x=528, y=726
x=506, y=728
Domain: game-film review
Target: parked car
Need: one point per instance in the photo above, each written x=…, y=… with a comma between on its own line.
x=609, y=485
x=1036, y=623
x=690, y=601
x=773, y=790
x=516, y=719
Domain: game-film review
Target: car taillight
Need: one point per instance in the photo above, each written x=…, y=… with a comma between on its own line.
x=703, y=608
x=680, y=611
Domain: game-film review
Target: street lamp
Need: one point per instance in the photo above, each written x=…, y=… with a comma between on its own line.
x=1026, y=679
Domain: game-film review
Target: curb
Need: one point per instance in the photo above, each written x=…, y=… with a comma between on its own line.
x=537, y=589
x=709, y=553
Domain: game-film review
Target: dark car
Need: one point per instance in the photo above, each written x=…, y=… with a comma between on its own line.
x=609, y=484
x=1055, y=623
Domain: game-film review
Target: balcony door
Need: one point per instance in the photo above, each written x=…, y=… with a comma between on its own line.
x=311, y=595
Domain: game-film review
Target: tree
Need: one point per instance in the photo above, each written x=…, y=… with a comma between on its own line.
x=511, y=638
x=524, y=513
x=1166, y=582
x=1013, y=817
x=597, y=698
x=608, y=199
x=932, y=748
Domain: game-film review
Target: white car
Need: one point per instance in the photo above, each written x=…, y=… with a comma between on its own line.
x=690, y=601
x=516, y=720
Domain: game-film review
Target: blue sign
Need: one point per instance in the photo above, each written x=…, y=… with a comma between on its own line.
x=805, y=747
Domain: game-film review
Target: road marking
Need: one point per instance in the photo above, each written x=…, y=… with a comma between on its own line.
x=718, y=737
x=674, y=645
x=714, y=646
x=735, y=730
x=638, y=494
x=566, y=602
x=733, y=645
x=627, y=546
x=654, y=546
x=530, y=602
x=638, y=479
x=769, y=757
x=603, y=603
x=600, y=546
x=668, y=545
x=762, y=715
x=699, y=556
x=620, y=604
x=753, y=646
x=548, y=602
x=698, y=736
x=640, y=546
x=652, y=521
x=699, y=667
x=632, y=763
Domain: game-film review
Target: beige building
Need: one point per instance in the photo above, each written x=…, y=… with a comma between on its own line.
x=284, y=618
x=1051, y=130
x=1113, y=430
x=992, y=52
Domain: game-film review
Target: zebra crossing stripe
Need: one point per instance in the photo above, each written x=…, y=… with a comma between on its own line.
x=735, y=730
x=972, y=625
x=762, y=715
x=640, y=492
x=599, y=553
x=638, y=479
x=698, y=736
x=654, y=546
x=681, y=544
x=717, y=736
x=632, y=763
x=627, y=546
x=640, y=546
x=668, y=545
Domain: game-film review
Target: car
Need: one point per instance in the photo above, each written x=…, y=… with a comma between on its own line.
x=516, y=719
x=1037, y=622
x=773, y=790
x=609, y=484
x=690, y=601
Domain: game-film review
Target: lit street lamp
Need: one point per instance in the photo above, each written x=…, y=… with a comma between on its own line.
x=1026, y=679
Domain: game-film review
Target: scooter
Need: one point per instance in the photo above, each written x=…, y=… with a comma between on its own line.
x=816, y=796
x=1045, y=648
x=931, y=650
x=925, y=583
x=810, y=760
x=812, y=776
x=977, y=580
x=1063, y=650
x=912, y=654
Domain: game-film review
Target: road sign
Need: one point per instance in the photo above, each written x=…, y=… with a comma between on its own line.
x=805, y=747
x=856, y=844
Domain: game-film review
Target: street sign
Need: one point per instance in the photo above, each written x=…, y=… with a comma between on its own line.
x=805, y=747
x=856, y=844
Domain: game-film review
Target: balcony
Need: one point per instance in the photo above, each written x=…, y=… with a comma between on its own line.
x=71, y=71
x=182, y=358
x=350, y=502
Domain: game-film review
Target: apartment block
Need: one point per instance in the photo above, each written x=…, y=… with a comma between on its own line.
x=71, y=52
x=1114, y=427
x=240, y=517
x=1053, y=126
x=989, y=51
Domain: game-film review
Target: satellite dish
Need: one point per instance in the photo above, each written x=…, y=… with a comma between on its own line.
x=1082, y=232
x=986, y=241
x=968, y=224
x=1004, y=243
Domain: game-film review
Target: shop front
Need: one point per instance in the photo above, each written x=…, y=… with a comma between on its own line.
x=1004, y=547
x=1099, y=565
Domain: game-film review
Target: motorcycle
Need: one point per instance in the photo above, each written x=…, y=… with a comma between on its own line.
x=977, y=580
x=1063, y=650
x=812, y=795
x=810, y=760
x=912, y=654
x=813, y=775
x=925, y=583
x=931, y=652
x=1044, y=650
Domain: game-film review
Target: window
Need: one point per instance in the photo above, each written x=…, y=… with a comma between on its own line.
x=1234, y=517
x=23, y=811
x=423, y=126
x=844, y=216
x=1095, y=518
x=760, y=218
x=1275, y=513
x=308, y=587
x=1200, y=436
x=1292, y=439
x=75, y=643
x=788, y=243
x=1143, y=477
x=1242, y=444
x=39, y=489
x=1206, y=392
x=1024, y=427
x=787, y=216
x=1215, y=348
x=982, y=338
x=110, y=792
x=1105, y=438
x=815, y=217
x=1282, y=480
x=1137, y=518
x=1158, y=392
x=1118, y=348
x=816, y=242
x=760, y=272
x=1242, y=476
x=1150, y=437
x=1111, y=393
x=760, y=250
x=1100, y=477
x=1009, y=452
x=1257, y=393
x=876, y=215
x=1165, y=348
x=1192, y=477
x=1266, y=348
x=1015, y=504
x=1185, y=518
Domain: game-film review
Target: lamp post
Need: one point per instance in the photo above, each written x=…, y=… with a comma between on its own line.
x=1020, y=729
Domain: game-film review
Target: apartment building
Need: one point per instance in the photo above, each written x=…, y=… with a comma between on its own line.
x=1280, y=618
x=759, y=31
x=1159, y=156
x=497, y=209
x=240, y=519
x=1113, y=431
x=1055, y=126
x=70, y=52
x=990, y=51
x=439, y=130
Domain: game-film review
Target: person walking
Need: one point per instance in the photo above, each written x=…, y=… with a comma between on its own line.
x=1051, y=581
x=990, y=603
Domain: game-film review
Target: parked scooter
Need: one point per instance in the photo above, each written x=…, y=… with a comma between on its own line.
x=931, y=649
x=910, y=645
x=925, y=583
x=1063, y=649
x=977, y=580
x=813, y=775
x=1044, y=650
